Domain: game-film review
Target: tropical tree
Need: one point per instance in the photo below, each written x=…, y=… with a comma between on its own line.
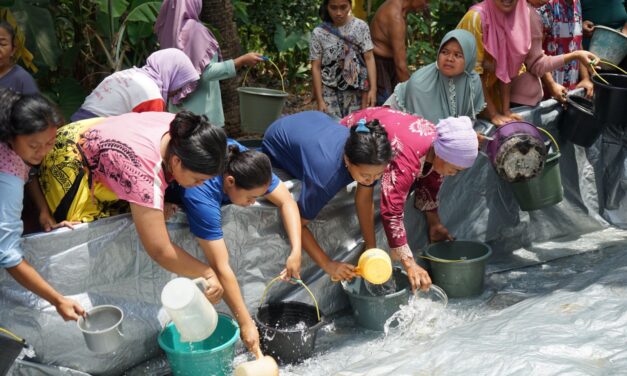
x=219, y=15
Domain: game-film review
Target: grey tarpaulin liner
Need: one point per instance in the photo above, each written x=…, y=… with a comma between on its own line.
x=103, y=262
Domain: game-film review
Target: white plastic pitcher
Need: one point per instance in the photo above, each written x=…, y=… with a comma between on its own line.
x=186, y=304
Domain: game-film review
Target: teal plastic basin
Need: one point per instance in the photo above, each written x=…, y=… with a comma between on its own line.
x=213, y=356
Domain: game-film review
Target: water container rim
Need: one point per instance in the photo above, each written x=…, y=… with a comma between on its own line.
x=228, y=343
x=100, y=308
x=276, y=93
x=484, y=257
x=309, y=328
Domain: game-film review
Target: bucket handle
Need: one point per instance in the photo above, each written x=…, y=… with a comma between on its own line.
x=12, y=335
x=444, y=261
x=613, y=66
x=265, y=58
x=299, y=281
x=550, y=137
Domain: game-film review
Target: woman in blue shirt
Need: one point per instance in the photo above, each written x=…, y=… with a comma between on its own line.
x=28, y=128
x=248, y=175
x=326, y=157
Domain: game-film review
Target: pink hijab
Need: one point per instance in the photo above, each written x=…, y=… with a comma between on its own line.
x=178, y=26
x=506, y=37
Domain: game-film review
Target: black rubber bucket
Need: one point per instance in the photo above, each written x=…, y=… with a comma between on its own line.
x=610, y=99
x=579, y=124
x=288, y=330
x=9, y=350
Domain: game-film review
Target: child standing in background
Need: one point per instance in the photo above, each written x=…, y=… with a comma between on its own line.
x=342, y=61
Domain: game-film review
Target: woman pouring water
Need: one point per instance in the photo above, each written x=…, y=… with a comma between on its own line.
x=326, y=157
x=247, y=176
x=424, y=153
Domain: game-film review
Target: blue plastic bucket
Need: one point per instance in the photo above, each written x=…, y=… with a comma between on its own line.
x=608, y=44
x=213, y=356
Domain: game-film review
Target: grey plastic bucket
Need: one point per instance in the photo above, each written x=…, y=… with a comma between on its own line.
x=102, y=329
x=609, y=44
x=459, y=266
x=373, y=311
x=259, y=107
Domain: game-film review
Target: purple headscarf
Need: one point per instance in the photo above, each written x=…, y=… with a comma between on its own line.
x=456, y=141
x=171, y=70
x=178, y=26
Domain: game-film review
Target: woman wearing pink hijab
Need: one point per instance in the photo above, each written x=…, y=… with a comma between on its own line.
x=179, y=26
x=507, y=47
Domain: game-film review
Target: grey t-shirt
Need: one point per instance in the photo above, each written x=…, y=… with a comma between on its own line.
x=19, y=80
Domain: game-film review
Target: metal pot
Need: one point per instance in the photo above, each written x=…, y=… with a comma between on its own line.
x=517, y=151
x=102, y=328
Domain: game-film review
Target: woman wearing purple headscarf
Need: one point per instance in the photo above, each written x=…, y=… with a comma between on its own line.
x=168, y=74
x=423, y=154
x=179, y=26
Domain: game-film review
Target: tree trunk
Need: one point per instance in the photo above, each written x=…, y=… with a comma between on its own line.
x=219, y=14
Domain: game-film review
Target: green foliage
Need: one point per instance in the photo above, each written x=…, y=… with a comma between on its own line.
x=76, y=43
x=424, y=31
x=280, y=30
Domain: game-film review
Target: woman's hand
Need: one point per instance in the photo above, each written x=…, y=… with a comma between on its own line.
x=48, y=223
x=340, y=271
x=292, y=268
x=214, y=290
x=248, y=60
x=587, y=58
x=438, y=233
x=250, y=337
x=588, y=86
x=322, y=107
x=557, y=92
x=371, y=98
x=69, y=309
x=502, y=119
x=588, y=29
x=418, y=277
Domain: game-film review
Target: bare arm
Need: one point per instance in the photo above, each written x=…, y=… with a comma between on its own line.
x=27, y=276
x=152, y=231
x=556, y=91
x=372, y=78
x=337, y=270
x=316, y=75
x=282, y=198
x=398, y=32
x=585, y=82
x=218, y=256
x=364, y=205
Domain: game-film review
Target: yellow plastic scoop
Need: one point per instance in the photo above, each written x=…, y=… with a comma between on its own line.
x=374, y=265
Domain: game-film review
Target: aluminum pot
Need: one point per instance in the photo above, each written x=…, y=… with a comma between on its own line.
x=102, y=328
x=517, y=151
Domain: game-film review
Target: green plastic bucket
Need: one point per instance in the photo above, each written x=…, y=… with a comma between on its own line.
x=373, y=311
x=458, y=266
x=258, y=106
x=212, y=356
x=543, y=190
